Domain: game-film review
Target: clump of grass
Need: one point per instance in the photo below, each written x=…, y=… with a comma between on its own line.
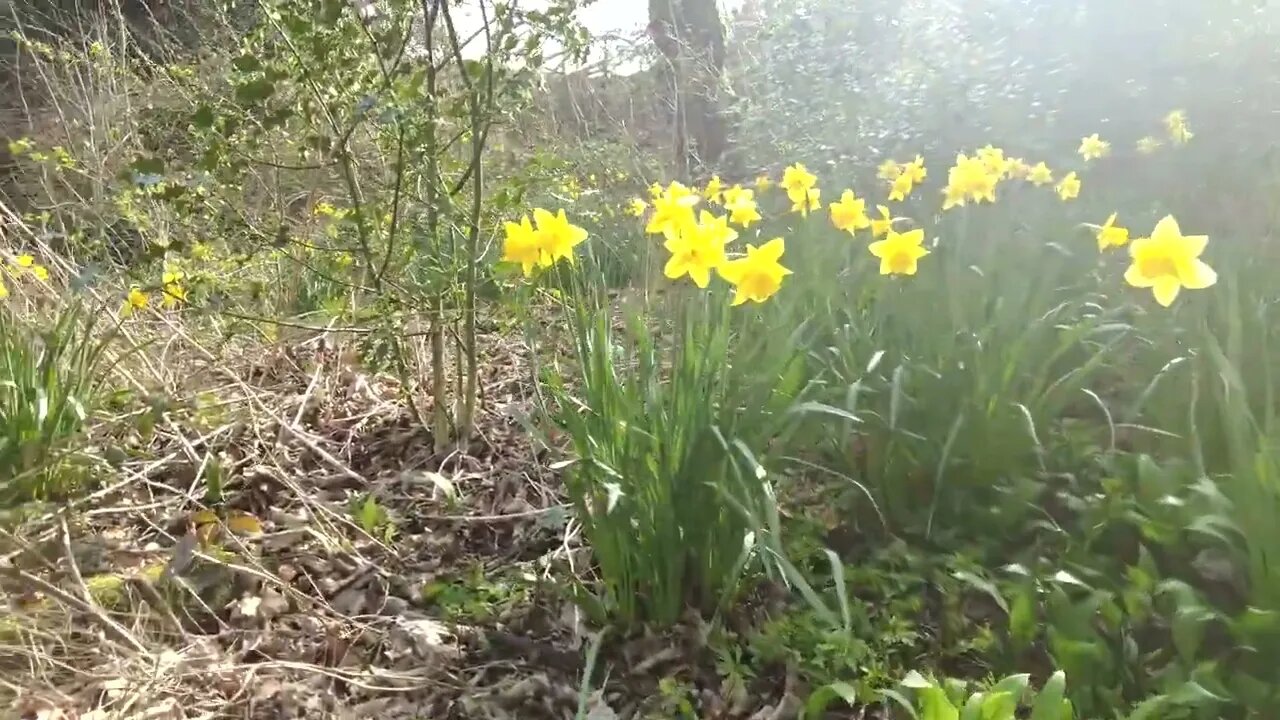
x=50, y=379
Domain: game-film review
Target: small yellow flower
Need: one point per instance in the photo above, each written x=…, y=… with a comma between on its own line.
x=672, y=210
x=1040, y=174
x=1149, y=145
x=1069, y=188
x=803, y=201
x=916, y=170
x=952, y=196
x=901, y=187
x=1169, y=261
x=655, y=190
x=889, y=170
x=757, y=276
x=41, y=272
x=523, y=246
x=1019, y=169
x=174, y=295
x=993, y=160
x=24, y=261
x=136, y=300
x=884, y=224
x=741, y=206
x=796, y=180
x=1111, y=235
x=849, y=213
x=1094, y=147
x=899, y=253
x=763, y=183
x=698, y=249
x=1176, y=123
x=637, y=207
x=4, y=291
x=714, y=190
x=559, y=236
x=170, y=277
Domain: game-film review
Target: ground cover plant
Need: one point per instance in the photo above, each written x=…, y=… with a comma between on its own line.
x=445, y=359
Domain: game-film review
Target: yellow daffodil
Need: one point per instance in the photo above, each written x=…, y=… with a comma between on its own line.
x=672, y=210
x=656, y=190
x=899, y=253
x=24, y=261
x=174, y=295
x=916, y=170
x=714, y=189
x=1094, y=147
x=763, y=183
x=849, y=213
x=757, y=276
x=992, y=158
x=637, y=207
x=1069, y=188
x=975, y=178
x=1149, y=144
x=889, y=170
x=559, y=237
x=952, y=196
x=803, y=201
x=1176, y=124
x=1111, y=235
x=901, y=187
x=523, y=246
x=698, y=249
x=1169, y=261
x=1039, y=174
x=740, y=203
x=797, y=180
x=40, y=272
x=884, y=224
x=135, y=300
x=4, y=291
x=1019, y=169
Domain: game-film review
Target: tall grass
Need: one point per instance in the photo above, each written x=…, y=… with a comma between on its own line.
x=50, y=382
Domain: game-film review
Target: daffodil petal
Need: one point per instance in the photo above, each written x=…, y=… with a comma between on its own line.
x=1197, y=275
x=1134, y=277
x=1166, y=289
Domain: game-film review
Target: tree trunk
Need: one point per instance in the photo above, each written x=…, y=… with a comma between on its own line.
x=691, y=36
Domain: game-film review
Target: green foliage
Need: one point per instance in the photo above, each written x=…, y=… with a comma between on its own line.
x=667, y=411
x=51, y=379
x=922, y=698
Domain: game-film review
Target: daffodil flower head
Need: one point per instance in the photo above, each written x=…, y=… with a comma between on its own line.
x=975, y=178
x=803, y=201
x=889, y=170
x=1176, y=124
x=1169, y=261
x=915, y=170
x=1019, y=169
x=698, y=249
x=637, y=207
x=24, y=261
x=757, y=276
x=884, y=224
x=901, y=187
x=1069, y=188
x=135, y=300
x=523, y=246
x=993, y=160
x=714, y=190
x=741, y=205
x=763, y=183
x=655, y=190
x=558, y=235
x=899, y=253
x=1149, y=145
x=1094, y=147
x=797, y=179
x=1040, y=174
x=1110, y=235
x=672, y=210
x=849, y=213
